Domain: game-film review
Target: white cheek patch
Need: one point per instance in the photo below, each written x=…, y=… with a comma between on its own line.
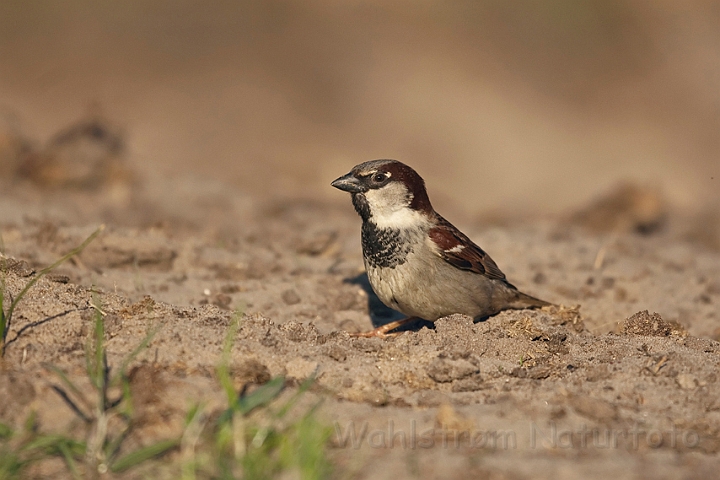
x=392, y=196
x=399, y=219
x=389, y=207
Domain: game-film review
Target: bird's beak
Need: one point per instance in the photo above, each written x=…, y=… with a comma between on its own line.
x=348, y=183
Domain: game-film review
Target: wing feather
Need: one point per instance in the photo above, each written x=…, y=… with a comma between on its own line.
x=461, y=252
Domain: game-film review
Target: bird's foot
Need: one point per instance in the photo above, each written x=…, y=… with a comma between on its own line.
x=385, y=331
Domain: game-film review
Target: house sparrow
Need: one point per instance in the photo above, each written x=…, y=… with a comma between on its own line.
x=417, y=262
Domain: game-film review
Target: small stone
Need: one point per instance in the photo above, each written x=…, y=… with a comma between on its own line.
x=317, y=243
x=250, y=371
x=223, y=301
x=291, y=297
x=84, y=330
x=58, y=278
x=594, y=408
x=349, y=325
x=20, y=267
x=336, y=352
x=686, y=381
x=444, y=370
x=431, y=398
x=230, y=288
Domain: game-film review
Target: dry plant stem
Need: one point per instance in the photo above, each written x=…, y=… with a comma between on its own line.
x=382, y=330
x=95, y=453
x=99, y=371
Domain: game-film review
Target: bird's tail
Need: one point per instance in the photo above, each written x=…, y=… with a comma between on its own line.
x=522, y=300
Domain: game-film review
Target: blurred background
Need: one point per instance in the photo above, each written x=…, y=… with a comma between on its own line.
x=505, y=106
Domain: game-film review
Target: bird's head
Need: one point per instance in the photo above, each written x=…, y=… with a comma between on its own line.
x=386, y=192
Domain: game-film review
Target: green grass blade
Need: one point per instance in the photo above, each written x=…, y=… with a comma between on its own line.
x=304, y=386
x=95, y=352
x=5, y=431
x=6, y=317
x=143, y=454
x=3, y=320
x=11, y=465
x=113, y=446
x=262, y=396
x=75, y=251
x=226, y=383
x=69, y=460
x=223, y=370
x=56, y=444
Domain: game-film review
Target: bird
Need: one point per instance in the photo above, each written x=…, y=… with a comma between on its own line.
x=417, y=262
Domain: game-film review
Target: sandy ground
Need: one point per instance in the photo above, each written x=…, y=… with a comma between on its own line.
x=599, y=386
x=577, y=144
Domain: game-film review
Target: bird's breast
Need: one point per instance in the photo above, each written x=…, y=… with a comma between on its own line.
x=388, y=247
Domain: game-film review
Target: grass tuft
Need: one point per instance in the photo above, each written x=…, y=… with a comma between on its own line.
x=256, y=436
x=6, y=316
x=109, y=418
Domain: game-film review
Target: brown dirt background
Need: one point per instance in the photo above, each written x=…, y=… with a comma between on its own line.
x=578, y=144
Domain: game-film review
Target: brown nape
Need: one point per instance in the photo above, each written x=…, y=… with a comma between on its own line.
x=415, y=184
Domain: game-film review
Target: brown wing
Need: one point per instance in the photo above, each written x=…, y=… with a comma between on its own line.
x=458, y=250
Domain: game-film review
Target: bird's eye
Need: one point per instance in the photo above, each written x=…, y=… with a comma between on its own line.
x=380, y=177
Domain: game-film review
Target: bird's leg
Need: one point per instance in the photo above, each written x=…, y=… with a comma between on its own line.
x=382, y=330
